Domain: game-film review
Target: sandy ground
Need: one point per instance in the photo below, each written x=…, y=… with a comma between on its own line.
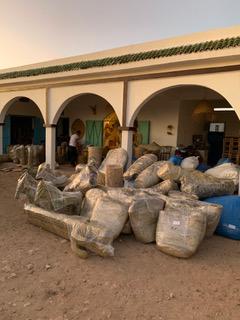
x=40, y=278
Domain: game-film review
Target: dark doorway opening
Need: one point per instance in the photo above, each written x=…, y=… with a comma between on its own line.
x=21, y=130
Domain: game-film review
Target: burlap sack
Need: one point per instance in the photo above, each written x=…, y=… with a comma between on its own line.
x=111, y=214
x=165, y=186
x=143, y=215
x=179, y=232
x=139, y=165
x=205, y=186
x=148, y=177
x=85, y=180
x=90, y=200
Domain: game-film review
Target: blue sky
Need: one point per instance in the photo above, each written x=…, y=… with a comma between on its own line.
x=38, y=30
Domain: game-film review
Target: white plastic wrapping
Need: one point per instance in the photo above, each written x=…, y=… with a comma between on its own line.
x=148, y=177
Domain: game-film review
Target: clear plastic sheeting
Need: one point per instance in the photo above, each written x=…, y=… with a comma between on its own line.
x=143, y=214
x=90, y=200
x=204, y=185
x=93, y=237
x=110, y=214
x=117, y=156
x=139, y=165
x=51, y=198
x=180, y=232
x=85, y=180
x=165, y=186
x=190, y=163
x=46, y=173
x=26, y=187
x=211, y=211
x=148, y=177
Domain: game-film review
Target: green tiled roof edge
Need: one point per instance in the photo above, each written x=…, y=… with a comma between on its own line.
x=109, y=61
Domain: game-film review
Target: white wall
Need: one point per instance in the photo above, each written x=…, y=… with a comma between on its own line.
x=161, y=111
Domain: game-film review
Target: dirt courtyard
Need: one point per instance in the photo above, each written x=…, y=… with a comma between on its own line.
x=40, y=277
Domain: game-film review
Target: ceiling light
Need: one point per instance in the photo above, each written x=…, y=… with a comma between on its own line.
x=223, y=109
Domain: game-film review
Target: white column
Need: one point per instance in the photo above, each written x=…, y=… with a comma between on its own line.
x=1, y=138
x=127, y=143
x=50, y=146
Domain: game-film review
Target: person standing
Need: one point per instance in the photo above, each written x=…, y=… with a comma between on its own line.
x=73, y=144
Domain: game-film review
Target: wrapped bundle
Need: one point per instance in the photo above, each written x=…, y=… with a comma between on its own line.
x=116, y=156
x=90, y=200
x=139, y=165
x=46, y=173
x=165, y=186
x=26, y=186
x=148, y=177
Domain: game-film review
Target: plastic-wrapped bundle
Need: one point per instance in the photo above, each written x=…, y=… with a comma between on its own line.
x=79, y=167
x=179, y=232
x=114, y=176
x=148, y=177
x=74, y=228
x=93, y=237
x=139, y=165
x=143, y=214
x=190, y=163
x=179, y=195
x=172, y=172
x=227, y=171
x=26, y=186
x=85, y=180
x=204, y=185
x=116, y=156
x=46, y=173
x=21, y=154
x=211, y=211
x=51, y=198
x=110, y=214
x=13, y=153
x=165, y=186
x=90, y=200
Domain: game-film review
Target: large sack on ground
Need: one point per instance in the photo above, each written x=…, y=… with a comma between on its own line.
x=139, y=165
x=227, y=171
x=90, y=200
x=148, y=177
x=110, y=214
x=229, y=225
x=143, y=215
x=46, y=173
x=116, y=156
x=179, y=232
x=172, y=172
x=51, y=198
x=26, y=185
x=165, y=186
x=190, y=163
x=175, y=194
x=211, y=211
x=204, y=185
x=85, y=180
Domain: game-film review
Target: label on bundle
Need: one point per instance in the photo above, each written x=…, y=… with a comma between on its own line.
x=231, y=226
x=176, y=223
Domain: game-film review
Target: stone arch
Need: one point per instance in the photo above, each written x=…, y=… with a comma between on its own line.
x=143, y=91
x=9, y=103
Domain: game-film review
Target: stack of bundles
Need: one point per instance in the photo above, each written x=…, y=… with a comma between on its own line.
x=143, y=214
x=179, y=232
x=139, y=165
x=204, y=185
x=196, y=182
x=228, y=171
x=86, y=179
x=46, y=173
x=51, y=198
x=21, y=154
x=165, y=187
x=116, y=156
x=148, y=177
x=26, y=186
x=211, y=211
x=12, y=153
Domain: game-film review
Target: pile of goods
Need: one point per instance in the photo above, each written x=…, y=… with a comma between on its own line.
x=155, y=200
x=30, y=155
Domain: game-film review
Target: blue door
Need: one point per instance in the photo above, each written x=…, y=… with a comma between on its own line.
x=6, y=133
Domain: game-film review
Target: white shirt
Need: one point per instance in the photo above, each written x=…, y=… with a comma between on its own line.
x=74, y=140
